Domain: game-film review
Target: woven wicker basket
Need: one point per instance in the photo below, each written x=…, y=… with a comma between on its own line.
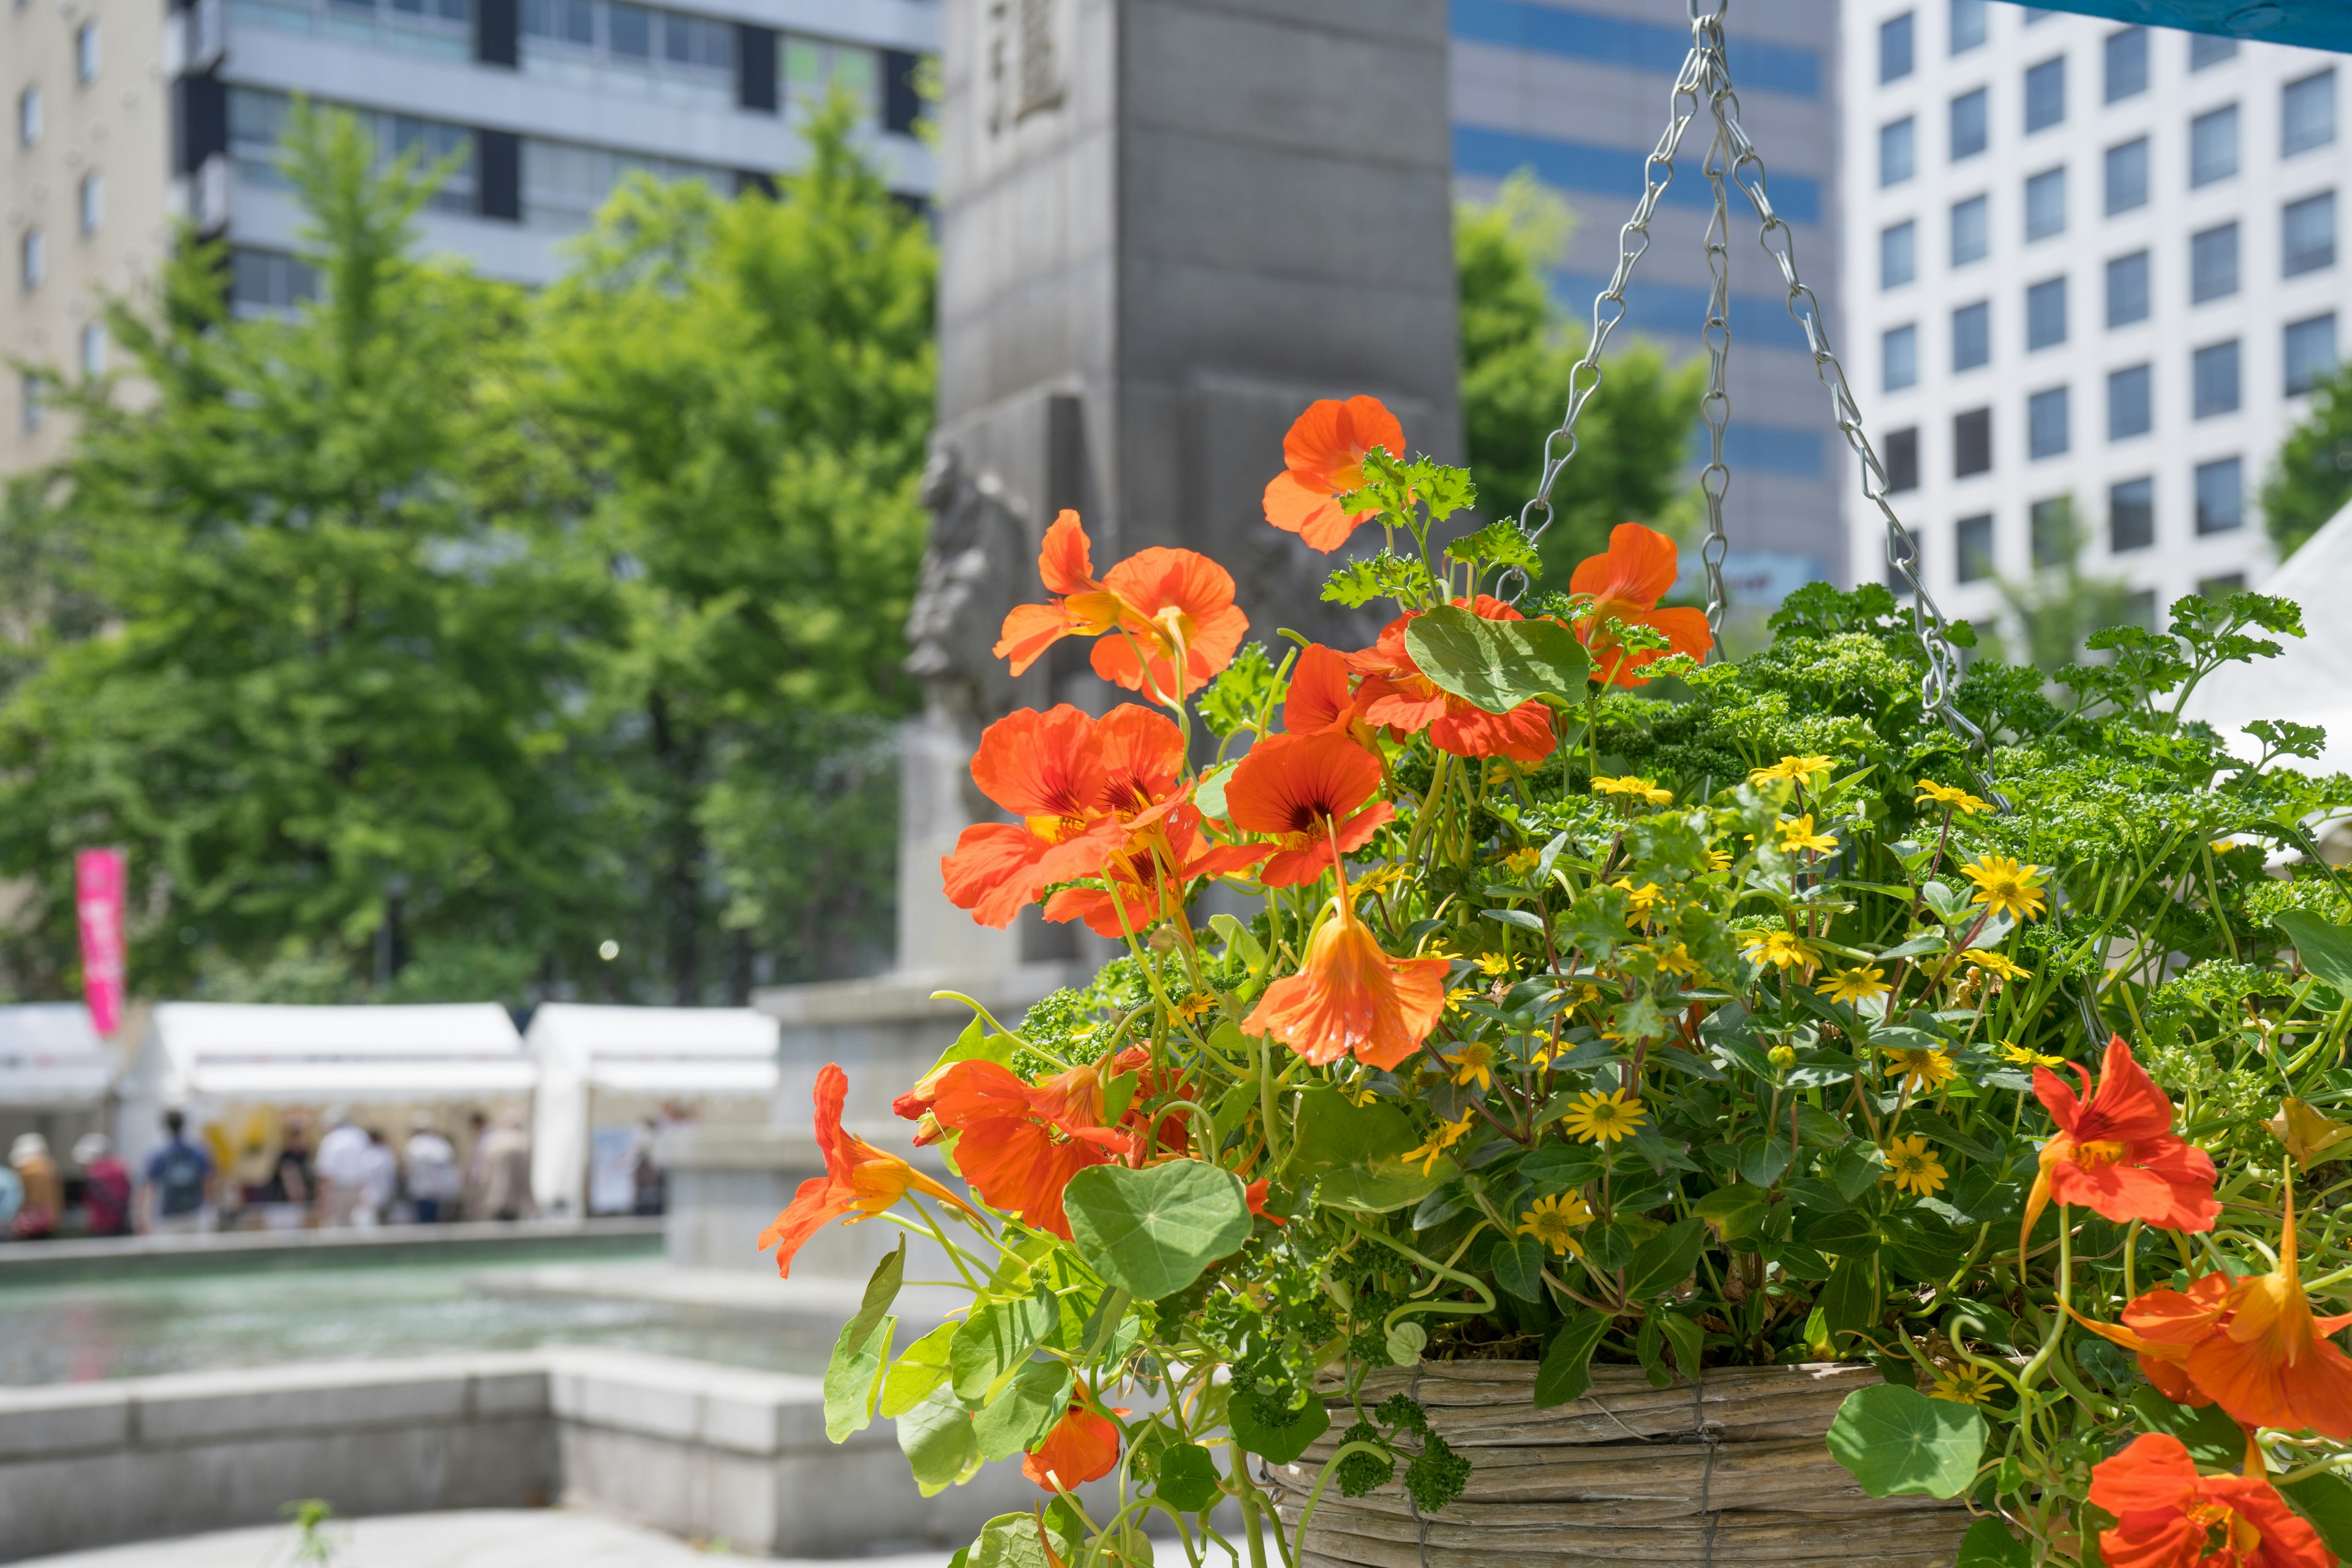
x=1729, y=1472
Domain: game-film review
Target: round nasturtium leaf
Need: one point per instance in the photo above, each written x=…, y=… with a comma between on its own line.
x=1898, y=1442
x=1151, y=1232
x=1284, y=1444
x=1188, y=1478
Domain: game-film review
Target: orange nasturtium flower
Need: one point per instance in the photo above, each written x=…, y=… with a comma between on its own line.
x=1152, y=605
x=2116, y=1153
x=1322, y=698
x=2251, y=1345
x=1323, y=458
x=1151, y=879
x=1020, y=1143
x=1314, y=794
x=1351, y=999
x=1626, y=584
x=1082, y=1447
x=2168, y=1516
x=1080, y=787
x=859, y=1181
x=1396, y=695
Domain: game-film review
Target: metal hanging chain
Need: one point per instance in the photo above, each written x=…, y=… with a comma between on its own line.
x=1705, y=74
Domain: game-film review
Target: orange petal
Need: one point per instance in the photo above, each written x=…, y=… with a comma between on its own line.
x=1640, y=566
x=1299, y=783
x=1294, y=507
x=1030, y=630
x=1065, y=564
x=1320, y=696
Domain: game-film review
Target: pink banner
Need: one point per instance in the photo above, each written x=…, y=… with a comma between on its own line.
x=97, y=900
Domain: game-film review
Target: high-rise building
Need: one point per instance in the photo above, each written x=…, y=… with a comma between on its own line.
x=1579, y=92
x=127, y=115
x=2094, y=277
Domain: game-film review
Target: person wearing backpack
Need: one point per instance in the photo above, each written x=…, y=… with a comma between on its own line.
x=179, y=1184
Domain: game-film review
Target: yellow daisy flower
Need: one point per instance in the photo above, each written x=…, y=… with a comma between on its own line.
x=1521, y=861
x=1719, y=859
x=1643, y=790
x=1642, y=899
x=1677, y=960
x=1913, y=1167
x=1605, y=1118
x=1472, y=1062
x=1494, y=965
x=1797, y=769
x=2026, y=1057
x=2006, y=887
x=1782, y=1056
x=1995, y=963
x=1555, y=1221
x=1443, y=1137
x=1919, y=1067
x=1962, y=1384
x=1192, y=1006
x=1782, y=949
x=1859, y=983
x=1459, y=994
x=1959, y=800
x=1798, y=834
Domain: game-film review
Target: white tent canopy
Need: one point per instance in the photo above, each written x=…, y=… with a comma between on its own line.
x=51, y=1059
x=2311, y=681
x=681, y=1053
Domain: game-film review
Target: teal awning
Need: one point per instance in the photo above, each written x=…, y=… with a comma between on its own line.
x=2311, y=24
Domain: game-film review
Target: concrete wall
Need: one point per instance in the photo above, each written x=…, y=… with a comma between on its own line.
x=698, y=1449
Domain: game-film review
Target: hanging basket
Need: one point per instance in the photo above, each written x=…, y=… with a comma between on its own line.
x=1732, y=1470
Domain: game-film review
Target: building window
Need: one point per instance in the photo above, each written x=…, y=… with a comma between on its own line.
x=1972, y=336
x=1898, y=584
x=1902, y=460
x=1971, y=230
x=2205, y=49
x=2127, y=171
x=1971, y=442
x=269, y=281
x=2045, y=204
x=1897, y=150
x=1973, y=536
x=93, y=201
x=1894, y=48
x=2221, y=586
x=28, y=116
x=814, y=69
x=2046, y=432
x=610, y=45
x=32, y=259
x=1898, y=358
x=256, y=122
x=86, y=58
x=29, y=402
x=1898, y=255
x=93, y=348
x=2220, y=496
x=2308, y=353
x=565, y=183
x=1967, y=125
x=2130, y=404
x=2050, y=527
x=2045, y=314
x=1967, y=26
x=2131, y=515
x=2308, y=113
x=2214, y=264
x=2307, y=235
x=2125, y=58
x=2213, y=380
x=2128, y=290
x=2213, y=146
x=2045, y=95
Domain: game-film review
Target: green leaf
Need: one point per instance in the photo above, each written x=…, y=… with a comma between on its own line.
x=995, y=1340
x=2326, y=1501
x=1355, y=1153
x=1025, y=1412
x=1188, y=1480
x=1990, y=1544
x=1734, y=1212
x=1843, y=1234
x=1279, y=1445
x=858, y=1352
x=1498, y=665
x=1526, y=920
x=1009, y=1540
x=1665, y=1260
x=920, y=1368
x=937, y=1438
x=1519, y=1267
x=1897, y=1442
x=1849, y=1302
x=1687, y=1340
x=1151, y=1232
x=2211, y=1438
x=1566, y=1370
x=2326, y=950
x=1209, y=795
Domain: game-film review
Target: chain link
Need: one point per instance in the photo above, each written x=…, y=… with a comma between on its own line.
x=1732, y=160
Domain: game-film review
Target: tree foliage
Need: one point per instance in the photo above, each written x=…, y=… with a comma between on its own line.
x=2310, y=477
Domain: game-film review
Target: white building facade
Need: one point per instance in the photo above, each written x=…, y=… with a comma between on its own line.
x=2087, y=262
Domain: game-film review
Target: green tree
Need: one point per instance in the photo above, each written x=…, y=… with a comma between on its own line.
x=2055, y=608
x=2310, y=477
x=311, y=683
x=1518, y=350
x=748, y=385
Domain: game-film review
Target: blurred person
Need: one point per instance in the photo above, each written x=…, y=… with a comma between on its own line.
x=106, y=1186
x=651, y=1185
x=342, y=1170
x=290, y=1179
x=429, y=1166
x=36, y=1171
x=505, y=1153
x=475, y=1201
x=12, y=1198
x=178, y=1195
x=378, y=1180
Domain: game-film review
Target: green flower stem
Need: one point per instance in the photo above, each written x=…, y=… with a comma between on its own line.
x=1330, y=1468
x=2042, y=1357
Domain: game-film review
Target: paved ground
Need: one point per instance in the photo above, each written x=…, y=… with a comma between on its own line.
x=483, y=1538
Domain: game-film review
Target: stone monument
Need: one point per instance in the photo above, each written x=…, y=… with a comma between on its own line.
x=1166, y=226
